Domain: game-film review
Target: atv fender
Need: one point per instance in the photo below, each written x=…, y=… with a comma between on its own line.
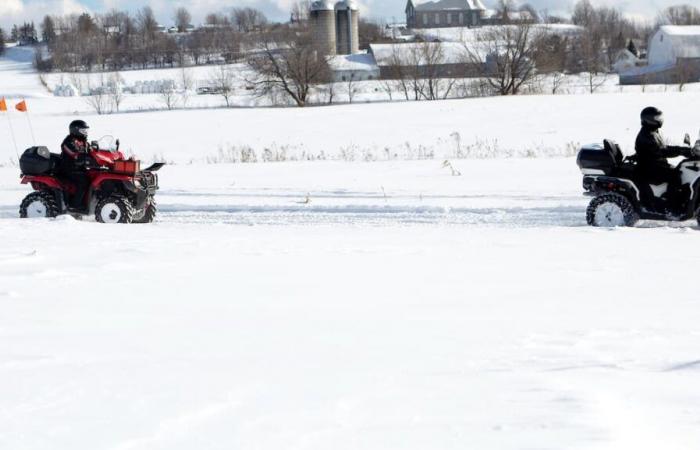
x=622, y=186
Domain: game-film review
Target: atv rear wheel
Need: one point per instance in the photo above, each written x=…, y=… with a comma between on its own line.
x=611, y=210
x=114, y=209
x=39, y=204
x=148, y=213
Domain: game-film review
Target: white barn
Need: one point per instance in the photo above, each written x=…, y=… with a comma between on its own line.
x=673, y=58
x=672, y=43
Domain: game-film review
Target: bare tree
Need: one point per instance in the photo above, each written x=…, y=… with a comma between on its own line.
x=436, y=84
x=290, y=63
x=504, y=9
x=187, y=82
x=248, y=19
x=99, y=98
x=592, y=60
x=183, y=19
x=168, y=96
x=115, y=91
x=388, y=87
x=685, y=73
x=351, y=86
x=584, y=14
x=300, y=11
x=398, y=68
x=532, y=12
x=510, y=54
x=223, y=81
x=679, y=15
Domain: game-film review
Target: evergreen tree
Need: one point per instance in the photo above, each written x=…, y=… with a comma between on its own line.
x=2, y=41
x=48, y=30
x=633, y=48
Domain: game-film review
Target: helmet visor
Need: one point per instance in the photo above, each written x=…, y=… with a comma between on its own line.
x=83, y=131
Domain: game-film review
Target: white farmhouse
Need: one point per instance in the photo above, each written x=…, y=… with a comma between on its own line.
x=672, y=43
x=673, y=55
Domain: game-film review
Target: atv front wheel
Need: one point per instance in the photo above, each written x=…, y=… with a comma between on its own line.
x=114, y=209
x=39, y=204
x=148, y=213
x=611, y=210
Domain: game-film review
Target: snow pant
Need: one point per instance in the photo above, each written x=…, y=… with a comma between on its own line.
x=81, y=182
x=659, y=174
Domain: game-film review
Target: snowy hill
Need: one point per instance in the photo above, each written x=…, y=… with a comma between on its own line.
x=402, y=303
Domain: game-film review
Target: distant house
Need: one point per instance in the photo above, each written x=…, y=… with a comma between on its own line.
x=355, y=67
x=624, y=61
x=444, y=13
x=673, y=57
x=673, y=43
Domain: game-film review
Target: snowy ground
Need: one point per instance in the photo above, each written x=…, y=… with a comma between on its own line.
x=350, y=305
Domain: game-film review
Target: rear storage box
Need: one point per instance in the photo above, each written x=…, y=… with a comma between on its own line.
x=129, y=167
x=596, y=160
x=37, y=161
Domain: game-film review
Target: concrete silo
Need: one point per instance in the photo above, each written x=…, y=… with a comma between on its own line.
x=348, y=27
x=322, y=17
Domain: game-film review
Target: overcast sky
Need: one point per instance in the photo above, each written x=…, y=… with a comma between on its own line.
x=13, y=11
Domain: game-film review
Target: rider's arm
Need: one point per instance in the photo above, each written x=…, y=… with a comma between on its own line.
x=78, y=155
x=69, y=150
x=672, y=151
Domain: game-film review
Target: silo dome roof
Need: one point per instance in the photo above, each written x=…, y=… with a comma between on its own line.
x=347, y=4
x=322, y=5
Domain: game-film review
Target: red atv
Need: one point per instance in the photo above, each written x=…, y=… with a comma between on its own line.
x=119, y=191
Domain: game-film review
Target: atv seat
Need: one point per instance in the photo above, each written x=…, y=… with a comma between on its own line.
x=614, y=150
x=622, y=168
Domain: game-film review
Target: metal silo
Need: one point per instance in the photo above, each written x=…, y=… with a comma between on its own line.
x=322, y=16
x=348, y=26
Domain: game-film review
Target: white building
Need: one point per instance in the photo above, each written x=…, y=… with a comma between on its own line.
x=357, y=67
x=625, y=60
x=444, y=13
x=673, y=56
x=672, y=43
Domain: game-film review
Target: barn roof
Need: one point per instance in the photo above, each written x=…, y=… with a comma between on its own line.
x=355, y=62
x=413, y=53
x=677, y=30
x=686, y=40
x=441, y=5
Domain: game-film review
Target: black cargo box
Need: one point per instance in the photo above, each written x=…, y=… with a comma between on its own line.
x=599, y=160
x=38, y=161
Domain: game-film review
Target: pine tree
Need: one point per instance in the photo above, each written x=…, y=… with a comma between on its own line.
x=48, y=30
x=2, y=41
x=633, y=48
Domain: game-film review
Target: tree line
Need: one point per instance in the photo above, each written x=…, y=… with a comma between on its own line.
x=118, y=40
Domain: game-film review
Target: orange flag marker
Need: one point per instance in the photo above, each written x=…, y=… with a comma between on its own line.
x=3, y=104
x=21, y=106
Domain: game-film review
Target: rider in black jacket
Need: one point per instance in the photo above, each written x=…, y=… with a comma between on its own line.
x=75, y=160
x=653, y=153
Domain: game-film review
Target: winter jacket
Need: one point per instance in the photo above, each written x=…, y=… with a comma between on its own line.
x=74, y=154
x=652, y=151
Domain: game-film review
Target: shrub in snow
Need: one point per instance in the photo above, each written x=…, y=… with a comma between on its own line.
x=153, y=86
x=65, y=90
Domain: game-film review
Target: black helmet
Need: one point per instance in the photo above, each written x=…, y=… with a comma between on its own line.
x=79, y=128
x=652, y=117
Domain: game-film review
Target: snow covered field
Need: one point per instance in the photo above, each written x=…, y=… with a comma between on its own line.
x=350, y=305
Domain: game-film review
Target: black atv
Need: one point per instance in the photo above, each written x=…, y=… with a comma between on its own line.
x=622, y=197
